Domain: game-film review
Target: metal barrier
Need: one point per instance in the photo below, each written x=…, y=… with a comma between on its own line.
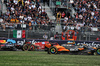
x=37, y=32
x=29, y=34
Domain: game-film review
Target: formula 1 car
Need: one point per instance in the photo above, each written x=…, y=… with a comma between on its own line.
x=71, y=48
x=8, y=46
x=11, y=45
x=28, y=46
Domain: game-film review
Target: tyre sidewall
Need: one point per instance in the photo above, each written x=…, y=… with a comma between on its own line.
x=25, y=45
x=55, y=52
x=98, y=53
x=33, y=47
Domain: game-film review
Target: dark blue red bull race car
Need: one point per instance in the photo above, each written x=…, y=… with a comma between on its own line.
x=9, y=45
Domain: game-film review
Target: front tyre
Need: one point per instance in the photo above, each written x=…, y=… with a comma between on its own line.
x=32, y=47
x=52, y=50
x=98, y=51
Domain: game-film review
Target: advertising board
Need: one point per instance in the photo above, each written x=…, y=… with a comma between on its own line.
x=42, y=42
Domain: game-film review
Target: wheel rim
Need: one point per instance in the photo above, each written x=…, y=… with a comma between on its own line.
x=98, y=51
x=53, y=50
x=26, y=47
x=32, y=47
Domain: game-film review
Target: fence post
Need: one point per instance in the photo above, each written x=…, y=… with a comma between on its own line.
x=79, y=37
x=86, y=37
x=0, y=7
x=33, y=27
x=26, y=33
x=8, y=33
x=89, y=37
x=49, y=34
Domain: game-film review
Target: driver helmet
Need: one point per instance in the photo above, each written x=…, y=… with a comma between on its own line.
x=71, y=42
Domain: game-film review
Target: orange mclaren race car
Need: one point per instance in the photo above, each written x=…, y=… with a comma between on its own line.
x=71, y=48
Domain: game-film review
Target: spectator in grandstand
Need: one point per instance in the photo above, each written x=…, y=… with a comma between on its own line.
x=65, y=27
x=98, y=38
x=2, y=23
x=58, y=17
x=79, y=25
x=3, y=26
x=65, y=20
x=45, y=36
x=75, y=34
x=1, y=20
x=63, y=14
x=63, y=35
x=50, y=22
x=56, y=36
x=15, y=2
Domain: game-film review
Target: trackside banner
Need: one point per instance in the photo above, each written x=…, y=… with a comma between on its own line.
x=21, y=41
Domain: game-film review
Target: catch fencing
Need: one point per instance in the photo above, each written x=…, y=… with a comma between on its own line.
x=37, y=32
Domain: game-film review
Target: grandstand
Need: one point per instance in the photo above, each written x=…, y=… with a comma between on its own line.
x=37, y=17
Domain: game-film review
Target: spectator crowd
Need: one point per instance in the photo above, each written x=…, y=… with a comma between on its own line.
x=87, y=14
x=28, y=12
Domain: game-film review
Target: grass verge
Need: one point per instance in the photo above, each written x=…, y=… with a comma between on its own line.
x=41, y=58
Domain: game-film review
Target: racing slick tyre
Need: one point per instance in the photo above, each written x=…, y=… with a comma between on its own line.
x=98, y=51
x=32, y=47
x=52, y=50
x=25, y=47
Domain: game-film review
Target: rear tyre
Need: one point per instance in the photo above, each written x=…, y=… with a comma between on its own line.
x=98, y=51
x=32, y=47
x=25, y=47
x=52, y=50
